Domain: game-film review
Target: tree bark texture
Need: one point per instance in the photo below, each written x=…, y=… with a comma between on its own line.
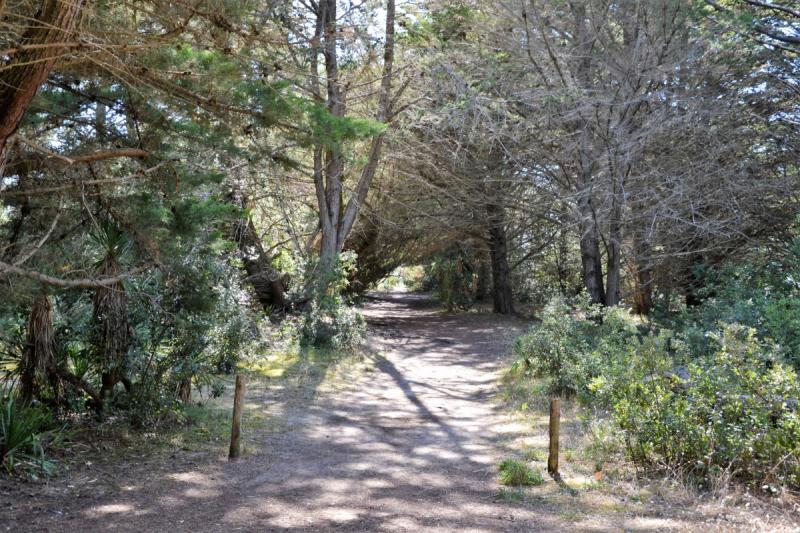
x=502, y=296
x=268, y=282
x=28, y=69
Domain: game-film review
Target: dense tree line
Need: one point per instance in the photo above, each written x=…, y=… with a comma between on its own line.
x=172, y=172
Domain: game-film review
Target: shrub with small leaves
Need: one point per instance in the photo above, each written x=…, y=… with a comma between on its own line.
x=728, y=411
x=330, y=320
x=731, y=415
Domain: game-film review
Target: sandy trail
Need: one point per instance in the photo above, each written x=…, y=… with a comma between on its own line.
x=412, y=446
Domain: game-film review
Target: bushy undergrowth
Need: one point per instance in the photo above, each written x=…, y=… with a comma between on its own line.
x=728, y=411
x=455, y=283
x=330, y=319
x=26, y=431
x=515, y=473
x=338, y=326
x=766, y=299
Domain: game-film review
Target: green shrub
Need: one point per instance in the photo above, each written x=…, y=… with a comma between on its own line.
x=455, y=283
x=330, y=320
x=573, y=346
x=340, y=327
x=727, y=411
x=24, y=435
x=517, y=474
x=760, y=294
x=733, y=414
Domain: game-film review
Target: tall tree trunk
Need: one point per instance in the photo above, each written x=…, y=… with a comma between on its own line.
x=643, y=293
x=589, y=239
x=38, y=360
x=336, y=220
x=328, y=164
x=28, y=69
x=613, y=258
x=590, y=253
x=502, y=295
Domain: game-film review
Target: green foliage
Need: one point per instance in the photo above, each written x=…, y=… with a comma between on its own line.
x=203, y=326
x=515, y=473
x=330, y=320
x=331, y=131
x=453, y=23
x=572, y=347
x=113, y=242
x=25, y=433
x=763, y=297
x=729, y=411
x=730, y=415
x=455, y=283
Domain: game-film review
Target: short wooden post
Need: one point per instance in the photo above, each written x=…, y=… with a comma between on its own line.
x=555, y=422
x=236, y=425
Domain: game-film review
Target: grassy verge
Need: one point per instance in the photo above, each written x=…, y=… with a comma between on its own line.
x=275, y=381
x=594, y=480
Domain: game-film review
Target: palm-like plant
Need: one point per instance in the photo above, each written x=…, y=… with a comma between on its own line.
x=24, y=434
x=112, y=330
x=38, y=361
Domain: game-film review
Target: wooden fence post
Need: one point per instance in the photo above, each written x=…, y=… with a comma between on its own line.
x=236, y=426
x=555, y=422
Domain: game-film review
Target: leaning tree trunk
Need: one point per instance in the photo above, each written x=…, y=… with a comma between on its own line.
x=112, y=328
x=268, y=283
x=501, y=273
x=38, y=361
x=43, y=42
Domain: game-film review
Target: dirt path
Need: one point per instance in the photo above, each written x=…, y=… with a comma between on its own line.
x=413, y=446
x=410, y=446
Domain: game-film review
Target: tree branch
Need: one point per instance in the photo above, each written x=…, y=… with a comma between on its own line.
x=77, y=184
x=80, y=283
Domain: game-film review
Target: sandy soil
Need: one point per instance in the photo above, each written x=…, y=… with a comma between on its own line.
x=411, y=446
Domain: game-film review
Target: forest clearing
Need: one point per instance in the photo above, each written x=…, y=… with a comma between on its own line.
x=400, y=265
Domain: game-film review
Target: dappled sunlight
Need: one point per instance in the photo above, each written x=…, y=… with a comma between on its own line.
x=111, y=509
x=194, y=478
x=413, y=444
